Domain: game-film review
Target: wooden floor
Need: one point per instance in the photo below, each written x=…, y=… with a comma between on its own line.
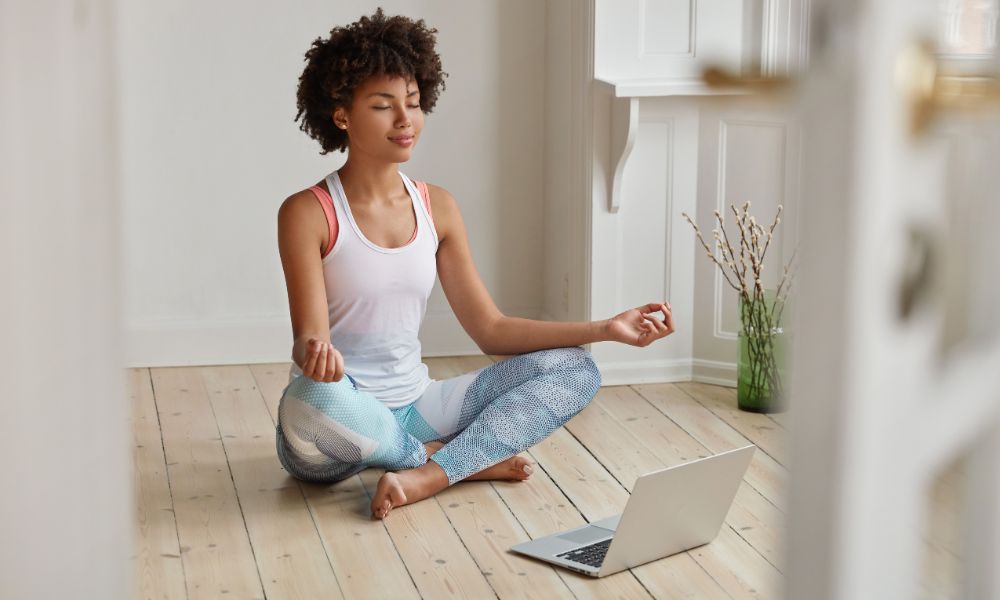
x=218, y=517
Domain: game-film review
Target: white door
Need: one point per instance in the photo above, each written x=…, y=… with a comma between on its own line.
x=66, y=505
x=897, y=364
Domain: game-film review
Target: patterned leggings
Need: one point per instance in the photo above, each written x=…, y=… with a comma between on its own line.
x=328, y=432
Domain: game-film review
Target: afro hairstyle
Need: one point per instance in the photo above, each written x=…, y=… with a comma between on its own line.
x=371, y=46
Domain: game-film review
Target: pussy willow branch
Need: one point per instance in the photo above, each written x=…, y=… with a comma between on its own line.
x=709, y=252
x=770, y=233
x=740, y=274
x=743, y=236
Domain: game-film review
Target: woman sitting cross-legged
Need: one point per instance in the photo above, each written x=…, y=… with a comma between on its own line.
x=361, y=250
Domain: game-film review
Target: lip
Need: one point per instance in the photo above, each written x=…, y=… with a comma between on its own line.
x=403, y=140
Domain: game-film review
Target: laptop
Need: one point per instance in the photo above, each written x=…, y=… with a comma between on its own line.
x=670, y=511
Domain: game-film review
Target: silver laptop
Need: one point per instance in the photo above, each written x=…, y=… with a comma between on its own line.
x=670, y=511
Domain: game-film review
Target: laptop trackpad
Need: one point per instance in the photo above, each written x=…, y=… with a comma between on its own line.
x=587, y=534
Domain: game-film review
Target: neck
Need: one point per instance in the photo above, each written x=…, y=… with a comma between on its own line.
x=369, y=182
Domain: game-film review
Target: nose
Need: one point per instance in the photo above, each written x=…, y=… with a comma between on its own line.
x=402, y=118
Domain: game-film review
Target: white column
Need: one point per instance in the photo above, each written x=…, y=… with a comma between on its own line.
x=66, y=504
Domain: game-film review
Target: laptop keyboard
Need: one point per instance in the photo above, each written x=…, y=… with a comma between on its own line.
x=591, y=554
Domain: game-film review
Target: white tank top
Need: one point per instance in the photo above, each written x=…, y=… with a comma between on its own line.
x=377, y=299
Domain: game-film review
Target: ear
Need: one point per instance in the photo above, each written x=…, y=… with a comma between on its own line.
x=340, y=118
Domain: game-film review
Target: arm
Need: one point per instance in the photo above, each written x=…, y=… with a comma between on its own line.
x=514, y=335
x=493, y=332
x=496, y=333
x=301, y=236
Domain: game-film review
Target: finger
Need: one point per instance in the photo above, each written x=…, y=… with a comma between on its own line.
x=340, y=367
x=658, y=325
x=670, y=322
x=648, y=308
x=320, y=371
x=335, y=368
x=331, y=365
x=312, y=355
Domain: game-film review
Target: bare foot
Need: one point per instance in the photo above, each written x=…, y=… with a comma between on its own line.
x=512, y=468
x=406, y=487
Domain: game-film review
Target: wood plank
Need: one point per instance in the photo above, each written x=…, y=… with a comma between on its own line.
x=764, y=474
x=365, y=559
x=364, y=555
x=597, y=494
x=626, y=458
x=214, y=544
x=488, y=529
x=754, y=519
x=757, y=428
x=782, y=418
x=440, y=565
x=271, y=379
x=942, y=562
x=289, y=553
x=159, y=570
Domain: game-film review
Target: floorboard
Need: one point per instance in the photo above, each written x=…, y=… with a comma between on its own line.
x=218, y=516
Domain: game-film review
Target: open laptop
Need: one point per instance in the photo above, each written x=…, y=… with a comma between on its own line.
x=670, y=511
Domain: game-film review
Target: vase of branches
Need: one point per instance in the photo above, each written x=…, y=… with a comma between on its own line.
x=760, y=372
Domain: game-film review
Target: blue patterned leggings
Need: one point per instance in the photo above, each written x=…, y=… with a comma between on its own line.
x=330, y=431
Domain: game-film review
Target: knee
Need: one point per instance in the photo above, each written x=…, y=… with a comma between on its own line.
x=576, y=365
x=583, y=368
x=321, y=395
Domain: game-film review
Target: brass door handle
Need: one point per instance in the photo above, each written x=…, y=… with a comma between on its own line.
x=718, y=78
x=929, y=92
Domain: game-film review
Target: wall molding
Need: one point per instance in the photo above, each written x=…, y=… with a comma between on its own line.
x=714, y=372
x=720, y=204
x=668, y=371
x=645, y=371
x=691, y=36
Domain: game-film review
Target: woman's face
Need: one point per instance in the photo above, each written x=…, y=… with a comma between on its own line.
x=383, y=108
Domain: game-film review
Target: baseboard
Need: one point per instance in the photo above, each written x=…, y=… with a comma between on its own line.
x=714, y=372
x=644, y=371
x=250, y=340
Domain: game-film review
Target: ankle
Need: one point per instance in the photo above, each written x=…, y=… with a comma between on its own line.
x=432, y=472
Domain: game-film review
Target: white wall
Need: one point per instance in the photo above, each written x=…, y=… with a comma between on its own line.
x=521, y=136
x=209, y=150
x=677, y=146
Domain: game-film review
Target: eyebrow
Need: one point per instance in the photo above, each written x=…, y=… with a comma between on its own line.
x=390, y=96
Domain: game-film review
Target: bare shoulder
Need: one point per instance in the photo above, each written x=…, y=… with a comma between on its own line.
x=444, y=207
x=302, y=215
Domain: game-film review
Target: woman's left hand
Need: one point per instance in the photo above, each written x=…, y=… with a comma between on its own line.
x=637, y=327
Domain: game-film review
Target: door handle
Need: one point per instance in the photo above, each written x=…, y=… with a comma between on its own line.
x=930, y=92
x=719, y=78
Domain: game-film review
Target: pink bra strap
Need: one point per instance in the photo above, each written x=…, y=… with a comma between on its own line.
x=422, y=188
x=331, y=217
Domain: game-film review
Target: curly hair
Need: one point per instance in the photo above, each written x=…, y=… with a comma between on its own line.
x=371, y=46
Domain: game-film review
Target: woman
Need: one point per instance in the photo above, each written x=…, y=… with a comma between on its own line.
x=360, y=251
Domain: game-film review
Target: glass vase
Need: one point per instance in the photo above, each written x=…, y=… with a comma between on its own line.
x=761, y=367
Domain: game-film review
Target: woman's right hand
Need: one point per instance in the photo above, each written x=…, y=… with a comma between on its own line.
x=318, y=359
